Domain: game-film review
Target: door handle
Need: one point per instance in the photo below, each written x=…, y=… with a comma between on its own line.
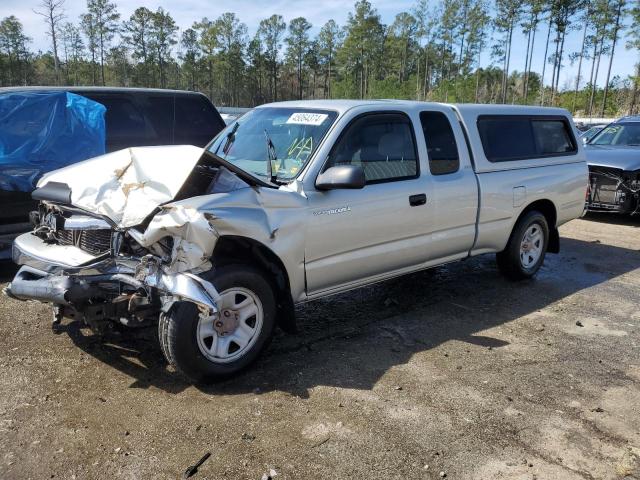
x=417, y=200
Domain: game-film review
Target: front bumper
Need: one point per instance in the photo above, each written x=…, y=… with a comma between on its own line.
x=65, y=274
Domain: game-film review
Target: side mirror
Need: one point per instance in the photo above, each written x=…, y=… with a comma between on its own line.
x=341, y=176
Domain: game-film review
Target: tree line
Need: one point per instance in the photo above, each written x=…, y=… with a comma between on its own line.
x=447, y=50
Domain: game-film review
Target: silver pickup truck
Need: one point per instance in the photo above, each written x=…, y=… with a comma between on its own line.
x=292, y=202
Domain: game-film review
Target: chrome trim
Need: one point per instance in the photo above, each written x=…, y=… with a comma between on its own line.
x=85, y=222
x=31, y=250
x=32, y=284
x=187, y=287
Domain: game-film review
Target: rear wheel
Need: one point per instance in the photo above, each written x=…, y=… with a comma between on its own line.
x=211, y=348
x=527, y=246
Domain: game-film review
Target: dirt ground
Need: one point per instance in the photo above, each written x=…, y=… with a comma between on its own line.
x=453, y=371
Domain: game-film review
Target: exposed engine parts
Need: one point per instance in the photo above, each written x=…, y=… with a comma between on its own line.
x=116, y=278
x=613, y=190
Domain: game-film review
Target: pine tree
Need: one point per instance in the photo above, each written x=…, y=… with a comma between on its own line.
x=137, y=35
x=530, y=27
x=256, y=71
x=601, y=21
x=209, y=44
x=479, y=21
x=508, y=13
x=88, y=25
x=329, y=41
x=362, y=49
x=53, y=13
x=73, y=47
x=162, y=38
x=190, y=54
x=104, y=18
x=614, y=40
x=633, y=43
x=297, y=45
x=586, y=21
x=13, y=43
x=232, y=37
x=270, y=32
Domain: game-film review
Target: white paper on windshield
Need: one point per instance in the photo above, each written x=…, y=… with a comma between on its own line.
x=303, y=118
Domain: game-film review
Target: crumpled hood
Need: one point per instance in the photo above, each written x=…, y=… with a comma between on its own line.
x=622, y=157
x=127, y=185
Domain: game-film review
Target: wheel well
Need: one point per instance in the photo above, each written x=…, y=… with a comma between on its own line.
x=548, y=209
x=236, y=249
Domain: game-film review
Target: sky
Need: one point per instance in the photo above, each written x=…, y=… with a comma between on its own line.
x=185, y=12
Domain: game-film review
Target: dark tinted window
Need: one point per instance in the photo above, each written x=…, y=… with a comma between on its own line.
x=441, y=143
x=551, y=137
x=507, y=138
x=197, y=122
x=124, y=121
x=134, y=120
x=158, y=112
x=382, y=144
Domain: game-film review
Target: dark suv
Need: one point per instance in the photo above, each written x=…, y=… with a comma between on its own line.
x=134, y=117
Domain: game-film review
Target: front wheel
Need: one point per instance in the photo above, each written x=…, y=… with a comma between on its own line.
x=527, y=246
x=209, y=349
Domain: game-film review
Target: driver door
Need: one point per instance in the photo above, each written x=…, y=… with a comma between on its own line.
x=357, y=236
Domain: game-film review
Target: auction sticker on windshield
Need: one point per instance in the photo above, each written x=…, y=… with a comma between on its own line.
x=304, y=118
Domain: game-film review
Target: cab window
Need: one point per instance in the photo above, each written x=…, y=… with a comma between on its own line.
x=525, y=137
x=441, y=143
x=382, y=144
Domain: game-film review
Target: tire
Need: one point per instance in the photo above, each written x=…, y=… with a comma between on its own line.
x=515, y=262
x=205, y=351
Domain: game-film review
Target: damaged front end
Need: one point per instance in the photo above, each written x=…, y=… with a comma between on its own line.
x=93, y=271
x=613, y=190
x=117, y=253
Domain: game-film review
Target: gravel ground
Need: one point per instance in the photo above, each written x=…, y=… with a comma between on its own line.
x=452, y=372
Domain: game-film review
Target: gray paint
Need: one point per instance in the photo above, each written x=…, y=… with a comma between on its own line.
x=613, y=156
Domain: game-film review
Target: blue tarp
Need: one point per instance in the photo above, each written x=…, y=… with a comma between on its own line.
x=44, y=131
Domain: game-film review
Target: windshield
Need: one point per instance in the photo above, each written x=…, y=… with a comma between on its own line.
x=618, y=134
x=590, y=133
x=273, y=142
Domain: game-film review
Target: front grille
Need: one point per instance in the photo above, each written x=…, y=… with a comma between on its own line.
x=94, y=242
x=65, y=237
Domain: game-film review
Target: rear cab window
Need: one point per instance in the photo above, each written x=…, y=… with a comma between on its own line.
x=442, y=148
x=523, y=137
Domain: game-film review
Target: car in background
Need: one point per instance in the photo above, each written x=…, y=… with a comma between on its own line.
x=613, y=157
x=231, y=114
x=591, y=132
x=134, y=117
